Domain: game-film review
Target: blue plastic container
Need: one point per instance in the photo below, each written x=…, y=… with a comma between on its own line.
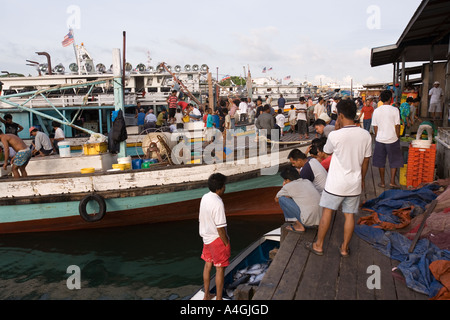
x=137, y=164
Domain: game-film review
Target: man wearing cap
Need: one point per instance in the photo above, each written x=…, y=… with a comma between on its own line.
x=42, y=144
x=436, y=95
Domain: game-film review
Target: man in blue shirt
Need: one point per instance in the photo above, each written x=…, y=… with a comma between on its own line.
x=141, y=120
x=281, y=102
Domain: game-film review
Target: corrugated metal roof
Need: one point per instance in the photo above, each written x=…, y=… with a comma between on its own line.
x=429, y=26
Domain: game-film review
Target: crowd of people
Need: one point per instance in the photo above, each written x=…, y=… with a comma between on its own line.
x=328, y=177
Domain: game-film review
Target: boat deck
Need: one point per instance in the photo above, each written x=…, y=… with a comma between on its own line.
x=297, y=274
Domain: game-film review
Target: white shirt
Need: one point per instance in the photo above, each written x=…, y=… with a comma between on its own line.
x=179, y=117
x=281, y=120
x=197, y=113
x=435, y=94
x=150, y=118
x=292, y=115
x=42, y=142
x=334, y=107
x=59, y=134
x=306, y=197
x=302, y=115
x=349, y=147
x=211, y=217
x=386, y=118
x=319, y=109
x=243, y=107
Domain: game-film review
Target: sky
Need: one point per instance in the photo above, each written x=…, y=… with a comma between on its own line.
x=320, y=41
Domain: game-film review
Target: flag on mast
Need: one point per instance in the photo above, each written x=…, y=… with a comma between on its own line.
x=68, y=39
x=264, y=70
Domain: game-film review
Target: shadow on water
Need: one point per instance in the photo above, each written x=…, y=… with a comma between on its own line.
x=159, y=261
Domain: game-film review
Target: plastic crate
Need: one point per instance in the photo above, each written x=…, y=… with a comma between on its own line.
x=92, y=149
x=421, y=166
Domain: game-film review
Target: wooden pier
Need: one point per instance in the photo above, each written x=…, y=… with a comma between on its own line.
x=297, y=274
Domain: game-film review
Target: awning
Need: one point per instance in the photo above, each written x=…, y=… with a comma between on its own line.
x=430, y=26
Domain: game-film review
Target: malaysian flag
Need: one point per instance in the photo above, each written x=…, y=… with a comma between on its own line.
x=270, y=69
x=287, y=78
x=264, y=70
x=68, y=39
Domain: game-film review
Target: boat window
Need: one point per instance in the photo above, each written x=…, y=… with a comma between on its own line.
x=165, y=89
x=152, y=90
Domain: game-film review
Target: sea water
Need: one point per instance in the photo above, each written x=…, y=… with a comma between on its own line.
x=157, y=261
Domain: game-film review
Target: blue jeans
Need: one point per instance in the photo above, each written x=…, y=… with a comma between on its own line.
x=367, y=124
x=290, y=209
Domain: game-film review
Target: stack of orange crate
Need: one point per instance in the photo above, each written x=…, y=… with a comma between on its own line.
x=421, y=164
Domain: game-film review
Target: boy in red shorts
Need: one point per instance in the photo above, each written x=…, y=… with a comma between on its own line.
x=213, y=230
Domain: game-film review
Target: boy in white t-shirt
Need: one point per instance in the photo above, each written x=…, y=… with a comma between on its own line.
x=281, y=121
x=351, y=147
x=213, y=230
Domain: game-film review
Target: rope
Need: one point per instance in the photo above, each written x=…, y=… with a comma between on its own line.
x=281, y=142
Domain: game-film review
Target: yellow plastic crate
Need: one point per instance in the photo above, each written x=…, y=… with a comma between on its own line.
x=92, y=149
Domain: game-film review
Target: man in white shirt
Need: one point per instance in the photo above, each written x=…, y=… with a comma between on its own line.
x=299, y=201
x=319, y=108
x=334, y=108
x=351, y=147
x=58, y=137
x=195, y=114
x=42, y=143
x=213, y=230
x=302, y=119
x=243, y=109
x=386, y=124
x=436, y=95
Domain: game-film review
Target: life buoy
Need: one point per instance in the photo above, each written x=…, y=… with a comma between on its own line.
x=92, y=217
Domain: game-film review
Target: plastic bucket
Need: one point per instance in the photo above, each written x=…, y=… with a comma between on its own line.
x=126, y=160
x=137, y=164
x=64, y=149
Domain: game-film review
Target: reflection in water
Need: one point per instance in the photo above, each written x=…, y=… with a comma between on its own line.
x=159, y=261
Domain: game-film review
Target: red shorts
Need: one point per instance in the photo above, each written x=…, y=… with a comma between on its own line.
x=217, y=253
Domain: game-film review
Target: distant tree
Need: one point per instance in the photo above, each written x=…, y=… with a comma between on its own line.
x=239, y=81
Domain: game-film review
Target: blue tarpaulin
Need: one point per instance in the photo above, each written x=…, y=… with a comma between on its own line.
x=393, y=199
x=415, y=265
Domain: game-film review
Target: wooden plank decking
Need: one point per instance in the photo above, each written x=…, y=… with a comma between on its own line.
x=297, y=274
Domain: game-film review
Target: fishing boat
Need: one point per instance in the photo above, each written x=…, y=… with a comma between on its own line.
x=86, y=191
x=248, y=267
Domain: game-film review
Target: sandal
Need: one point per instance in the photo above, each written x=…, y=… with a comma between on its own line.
x=291, y=228
x=309, y=246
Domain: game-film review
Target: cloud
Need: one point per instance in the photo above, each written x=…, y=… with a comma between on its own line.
x=257, y=45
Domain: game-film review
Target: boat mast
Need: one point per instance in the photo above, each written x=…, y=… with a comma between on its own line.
x=119, y=93
x=75, y=50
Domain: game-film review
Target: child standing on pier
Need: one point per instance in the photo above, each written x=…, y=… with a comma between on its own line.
x=213, y=230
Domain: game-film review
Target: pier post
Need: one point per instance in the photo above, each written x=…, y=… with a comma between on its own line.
x=119, y=94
